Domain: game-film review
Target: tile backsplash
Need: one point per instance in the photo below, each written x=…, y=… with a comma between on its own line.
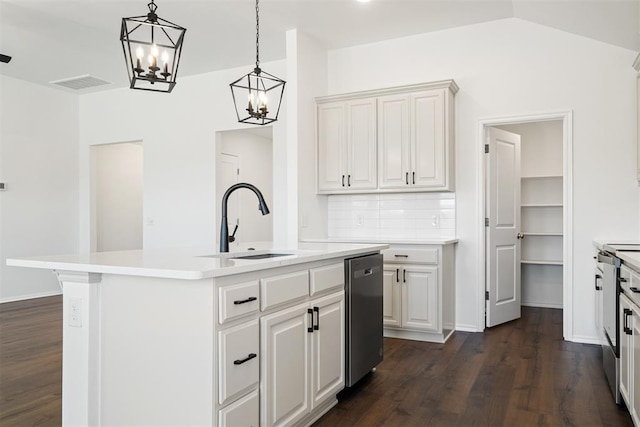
x=387, y=216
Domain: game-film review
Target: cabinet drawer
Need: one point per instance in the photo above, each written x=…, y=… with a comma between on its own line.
x=238, y=300
x=281, y=289
x=422, y=256
x=322, y=279
x=238, y=366
x=243, y=413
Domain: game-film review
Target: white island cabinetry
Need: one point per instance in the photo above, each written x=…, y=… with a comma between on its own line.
x=150, y=338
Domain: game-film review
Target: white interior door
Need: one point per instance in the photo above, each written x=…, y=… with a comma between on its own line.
x=503, y=213
x=226, y=176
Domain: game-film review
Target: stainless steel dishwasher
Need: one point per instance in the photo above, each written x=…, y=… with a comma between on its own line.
x=363, y=316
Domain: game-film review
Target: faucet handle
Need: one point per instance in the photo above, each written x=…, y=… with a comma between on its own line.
x=232, y=238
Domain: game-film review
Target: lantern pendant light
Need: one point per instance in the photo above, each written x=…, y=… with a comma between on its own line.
x=251, y=92
x=152, y=47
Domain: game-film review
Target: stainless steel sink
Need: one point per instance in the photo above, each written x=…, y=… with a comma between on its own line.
x=259, y=256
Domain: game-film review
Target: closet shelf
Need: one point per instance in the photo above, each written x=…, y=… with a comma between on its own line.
x=540, y=262
x=541, y=205
x=527, y=233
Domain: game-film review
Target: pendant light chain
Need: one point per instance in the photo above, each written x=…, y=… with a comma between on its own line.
x=257, y=35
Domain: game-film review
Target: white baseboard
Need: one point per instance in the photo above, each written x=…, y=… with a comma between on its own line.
x=467, y=328
x=585, y=340
x=31, y=296
x=541, y=305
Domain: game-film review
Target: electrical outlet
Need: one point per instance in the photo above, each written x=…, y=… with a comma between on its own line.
x=360, y=220
x=435, y=221
x=75, y=312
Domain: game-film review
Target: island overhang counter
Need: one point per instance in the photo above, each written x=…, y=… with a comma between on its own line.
x=194, y=337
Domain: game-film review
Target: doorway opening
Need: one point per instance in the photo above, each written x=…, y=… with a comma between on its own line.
x=116, y=188
x=245, y=156
x=526, y=210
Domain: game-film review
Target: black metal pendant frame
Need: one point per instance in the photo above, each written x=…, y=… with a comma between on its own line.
x=146, y=31
x=253, y=85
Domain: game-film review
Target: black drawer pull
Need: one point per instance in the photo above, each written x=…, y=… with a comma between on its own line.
x=244, y=301
x=623, y=280
x=625, y=327
x=310, y=313
x=634, y=290
x=249, y=357
x=401, y=256
x=316, y=327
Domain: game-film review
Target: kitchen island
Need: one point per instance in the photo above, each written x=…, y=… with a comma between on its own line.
x=194, y=337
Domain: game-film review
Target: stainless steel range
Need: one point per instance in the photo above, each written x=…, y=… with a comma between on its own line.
x=609, y=264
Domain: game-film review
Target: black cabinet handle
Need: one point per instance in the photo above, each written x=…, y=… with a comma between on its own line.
x=598, y=277
x=343, y=180
x=401, y=256
x=404, y=276
x=246, y=359
x=244, y=301
x=634, y=290
x=406, y=178
x=623, y=280
x=626, y=327
x=414, y=177
x=348, y=180
x=310, y=313
x=398, y=275
x=316, y=327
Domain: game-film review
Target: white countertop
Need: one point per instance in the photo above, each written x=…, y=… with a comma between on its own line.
x=393, y=241
x=632, y=259
x=191, y=263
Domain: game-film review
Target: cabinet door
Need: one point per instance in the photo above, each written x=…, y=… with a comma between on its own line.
x=626, y=353
x=361, y=144
x=332, y=154
x=393, y=141
x=634, y=408
x=391, y=302
x=428, y=142
x=420, y=298
x=327, y=347
x=285, y=367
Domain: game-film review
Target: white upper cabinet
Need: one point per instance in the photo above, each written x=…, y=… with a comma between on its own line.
x=347, y=145
x=412, y=128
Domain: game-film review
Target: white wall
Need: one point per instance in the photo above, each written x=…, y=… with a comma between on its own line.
x=307, y=68
x=255, y=154
x=513, y=67
x=118, y=198
x=39, y=164
x=178, y=133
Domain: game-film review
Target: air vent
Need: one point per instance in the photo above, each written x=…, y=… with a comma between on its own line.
x=81, y=82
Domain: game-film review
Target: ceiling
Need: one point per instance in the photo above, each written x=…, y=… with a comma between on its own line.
x=58, y=39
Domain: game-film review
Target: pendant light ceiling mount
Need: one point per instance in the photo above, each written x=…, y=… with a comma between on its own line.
x=256, y=88
x=143, y=38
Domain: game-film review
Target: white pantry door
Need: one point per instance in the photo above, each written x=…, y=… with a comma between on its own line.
x=503, y=212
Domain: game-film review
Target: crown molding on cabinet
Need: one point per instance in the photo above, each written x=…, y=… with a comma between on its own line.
x=442, y=84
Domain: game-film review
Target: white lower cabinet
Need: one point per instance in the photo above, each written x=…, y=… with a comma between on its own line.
x=418, y=292
x=280, y=345
x=302, y=359
x=630, y=356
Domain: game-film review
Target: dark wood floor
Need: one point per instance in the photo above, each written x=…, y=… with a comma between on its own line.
x=517, y=374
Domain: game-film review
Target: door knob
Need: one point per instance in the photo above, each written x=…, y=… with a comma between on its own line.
x=520, y=235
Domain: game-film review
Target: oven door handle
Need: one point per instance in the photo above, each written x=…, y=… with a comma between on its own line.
x=608, y=259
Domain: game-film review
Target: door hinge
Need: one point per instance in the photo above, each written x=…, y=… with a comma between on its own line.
x=486, y=148
x=486, y=295
x=238, y=171
x=486, y=222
